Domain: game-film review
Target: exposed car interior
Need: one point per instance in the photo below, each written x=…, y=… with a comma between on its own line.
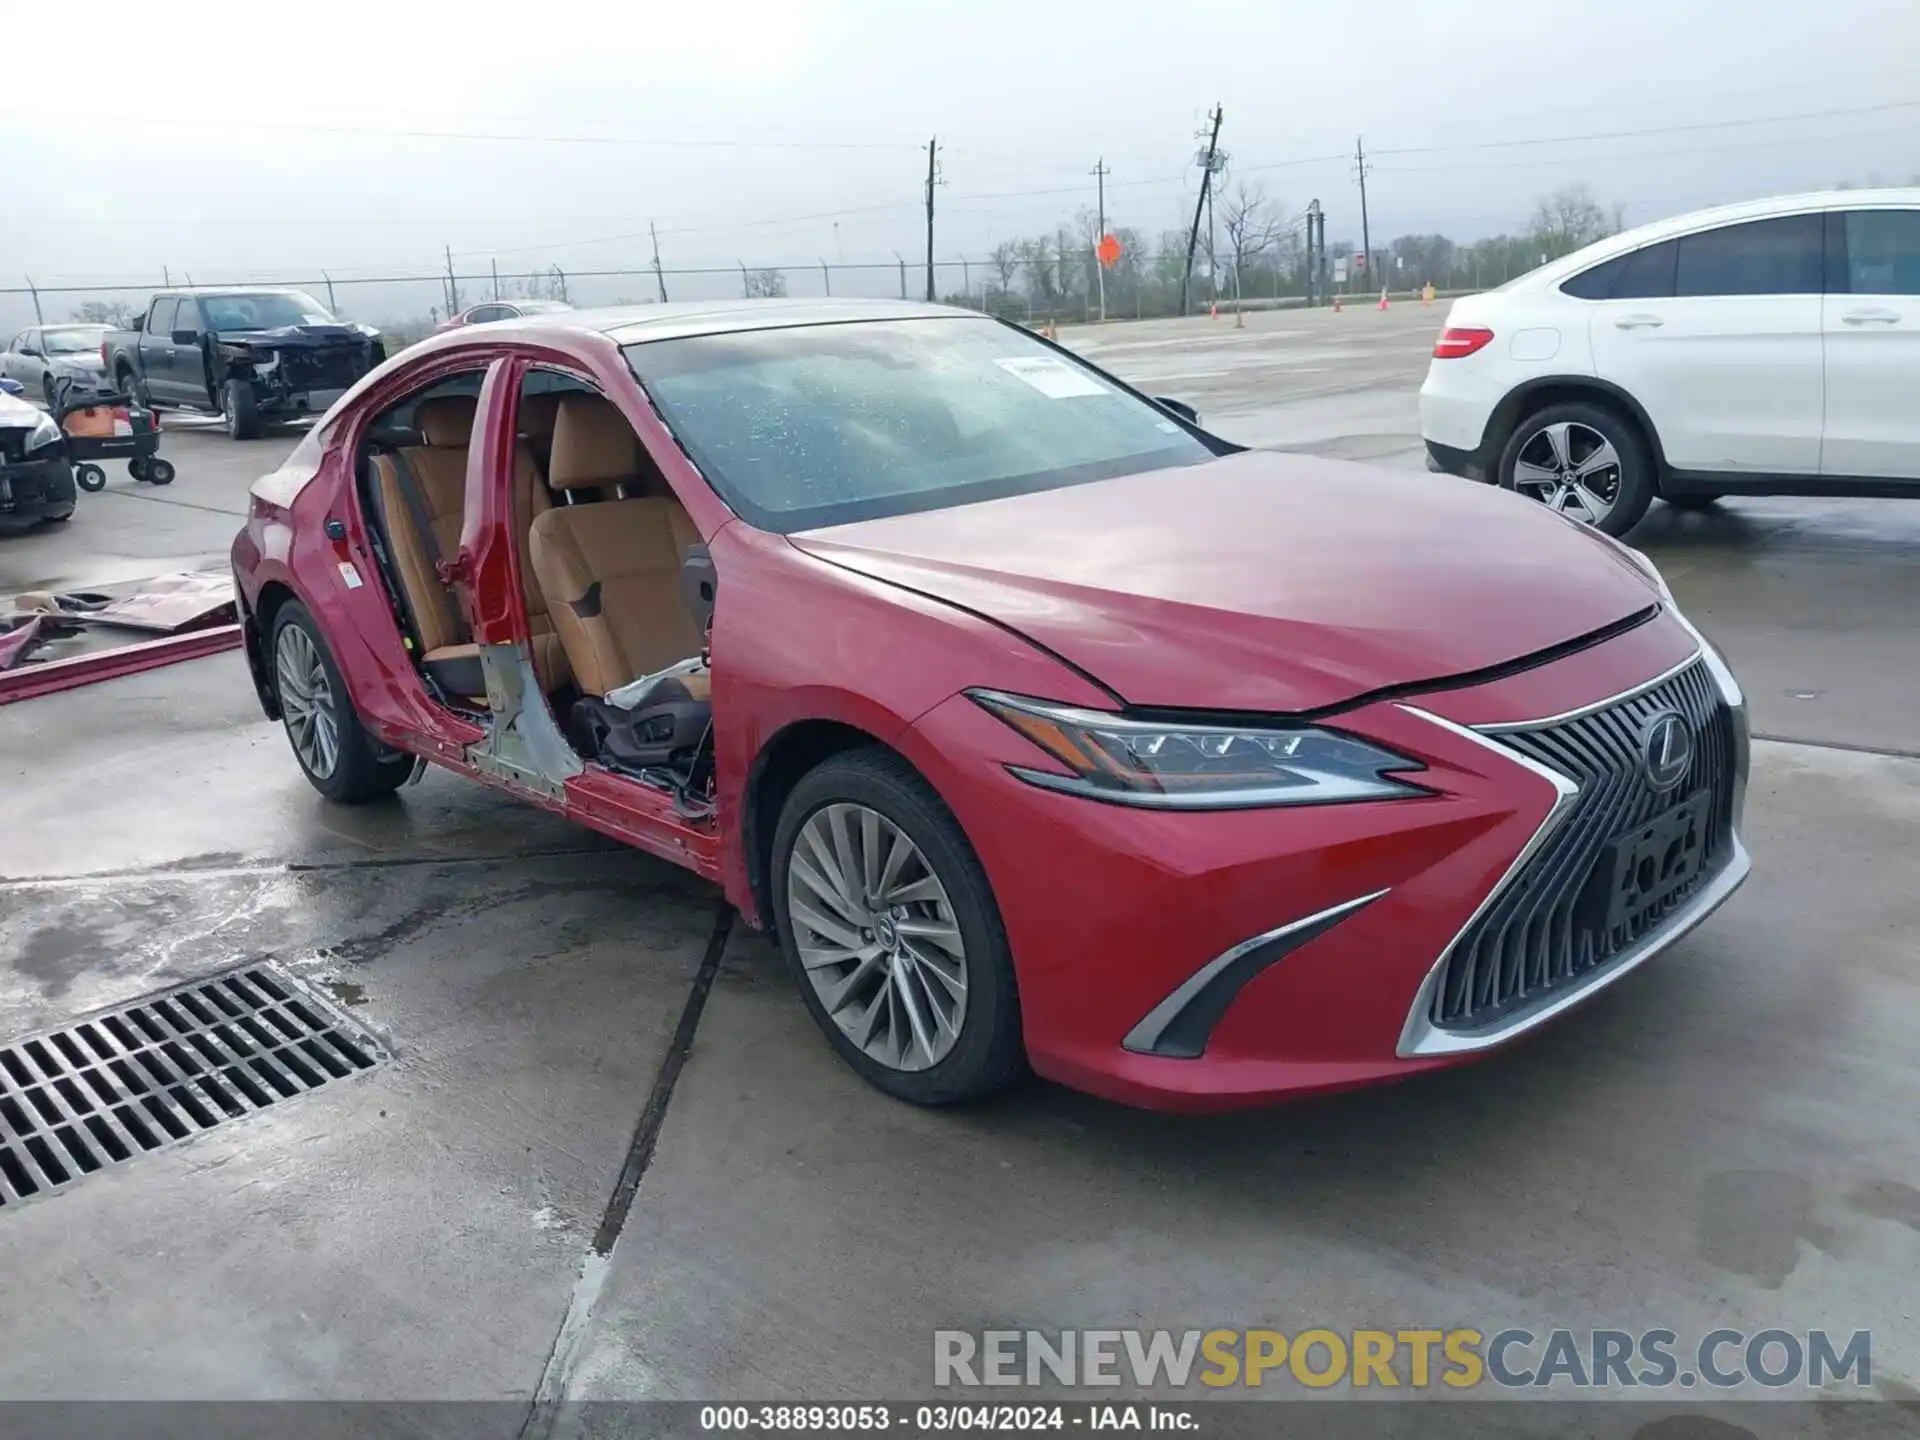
x=617, y=586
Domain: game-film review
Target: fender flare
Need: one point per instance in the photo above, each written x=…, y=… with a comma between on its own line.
x=1506, y=414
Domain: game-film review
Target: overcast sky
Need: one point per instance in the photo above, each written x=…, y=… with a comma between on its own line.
x=264, y=141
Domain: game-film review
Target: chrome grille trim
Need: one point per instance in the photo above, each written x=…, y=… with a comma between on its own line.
x=1543, y=977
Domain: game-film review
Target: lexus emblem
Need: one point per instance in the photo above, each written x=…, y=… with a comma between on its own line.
x=1666, y=750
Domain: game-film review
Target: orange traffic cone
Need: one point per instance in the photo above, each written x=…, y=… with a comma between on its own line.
x=1213, y=310
x=1336, y=303
x=1383, y=298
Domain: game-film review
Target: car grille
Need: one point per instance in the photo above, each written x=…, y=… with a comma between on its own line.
x=1537, y=937
x=333, y=368
x=13, y=444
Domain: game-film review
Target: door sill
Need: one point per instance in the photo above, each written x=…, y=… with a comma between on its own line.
x=1718, y=482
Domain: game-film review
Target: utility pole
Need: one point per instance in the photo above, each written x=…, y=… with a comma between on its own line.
x=1099, y=267
x=453, y=286
x=903, y=273
x=330, y=301
x=826, y=275
x=38, y=318
x=495, y=265
x=658, y=278
x=1366, y=239
x=166, y=274
x=933, y=161
x=1199, y=205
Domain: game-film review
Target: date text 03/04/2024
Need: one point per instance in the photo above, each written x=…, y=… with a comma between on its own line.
x=942, y=1418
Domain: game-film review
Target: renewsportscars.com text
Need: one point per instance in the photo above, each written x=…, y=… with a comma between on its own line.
x=1415, y=1359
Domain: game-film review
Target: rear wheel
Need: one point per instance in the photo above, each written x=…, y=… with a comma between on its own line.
x=887, y=920
x=239, y=409
x=1583, y=461
x=340, y=759
x=130, y=385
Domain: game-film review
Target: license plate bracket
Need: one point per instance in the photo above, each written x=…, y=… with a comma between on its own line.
x=1641, y=871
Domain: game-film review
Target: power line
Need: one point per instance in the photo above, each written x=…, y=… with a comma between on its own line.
x=526, y=138
x=1654, y=130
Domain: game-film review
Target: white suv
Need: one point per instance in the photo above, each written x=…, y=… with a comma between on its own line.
x=1769, y=348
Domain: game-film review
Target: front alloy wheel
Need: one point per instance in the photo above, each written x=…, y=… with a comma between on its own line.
x=1583, y=462
x=890, y=927
x=877, y=937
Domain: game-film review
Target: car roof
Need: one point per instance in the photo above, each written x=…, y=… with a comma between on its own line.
x=640, y=324
x=1762, y=209
x=206, y=290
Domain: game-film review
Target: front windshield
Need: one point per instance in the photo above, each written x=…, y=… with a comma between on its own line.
x=268, y=310
x=73, y=340
x=829, y=424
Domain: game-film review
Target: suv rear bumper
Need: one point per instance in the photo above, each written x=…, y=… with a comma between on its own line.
x=1449, y=461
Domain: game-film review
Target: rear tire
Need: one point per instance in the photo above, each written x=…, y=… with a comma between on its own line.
x=1547, y=459
x=335, y=752
x=904, y=988
x=241, y=412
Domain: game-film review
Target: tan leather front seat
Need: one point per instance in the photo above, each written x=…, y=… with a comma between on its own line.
x=610, y=570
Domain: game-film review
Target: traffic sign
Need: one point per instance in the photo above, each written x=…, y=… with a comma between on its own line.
x=1108, y=250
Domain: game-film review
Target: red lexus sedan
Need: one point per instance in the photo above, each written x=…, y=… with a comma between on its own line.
x=1044, y=728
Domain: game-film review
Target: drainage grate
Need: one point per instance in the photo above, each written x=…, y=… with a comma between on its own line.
x=144, y=1075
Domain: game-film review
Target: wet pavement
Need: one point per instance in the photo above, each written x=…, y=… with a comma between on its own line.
x=1725, y=1139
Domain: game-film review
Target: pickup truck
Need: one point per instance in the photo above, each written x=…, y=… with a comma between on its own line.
x=250, y=356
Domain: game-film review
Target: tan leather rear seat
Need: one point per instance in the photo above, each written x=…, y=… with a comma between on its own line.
x=438, y=468
x=611, y=570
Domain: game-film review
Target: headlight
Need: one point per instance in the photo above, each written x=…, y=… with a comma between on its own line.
x=44, y=434
x=1177, y=766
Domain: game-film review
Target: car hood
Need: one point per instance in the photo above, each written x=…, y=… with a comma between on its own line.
x=80, y=360
x=1260, y=581
x=294, y=336
x=16, y=412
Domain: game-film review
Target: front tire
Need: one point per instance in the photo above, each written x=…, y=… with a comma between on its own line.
x=241, y=412
x=1584, y=461
x=336, y=753
x=892, y=933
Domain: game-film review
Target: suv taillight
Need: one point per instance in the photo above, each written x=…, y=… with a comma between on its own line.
x=1458, y=340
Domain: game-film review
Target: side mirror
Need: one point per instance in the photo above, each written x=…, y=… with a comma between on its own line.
x=139, y=324
x=29, y=350
x=1179, y=407
x=186, y=337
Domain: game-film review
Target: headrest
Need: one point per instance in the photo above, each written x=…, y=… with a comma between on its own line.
x=445, y=419
x=537, y=414
x=592, y=445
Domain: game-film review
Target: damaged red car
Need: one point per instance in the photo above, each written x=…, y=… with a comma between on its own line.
x=1043, y=727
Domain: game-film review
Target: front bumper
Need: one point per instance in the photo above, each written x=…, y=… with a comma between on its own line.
x=33, y=490
x=1118, y=917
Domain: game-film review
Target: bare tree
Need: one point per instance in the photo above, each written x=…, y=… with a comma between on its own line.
x=105, y=312
x=1567, y=219
x=767, y=285
x=1249, y=218
x=1005, y=260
